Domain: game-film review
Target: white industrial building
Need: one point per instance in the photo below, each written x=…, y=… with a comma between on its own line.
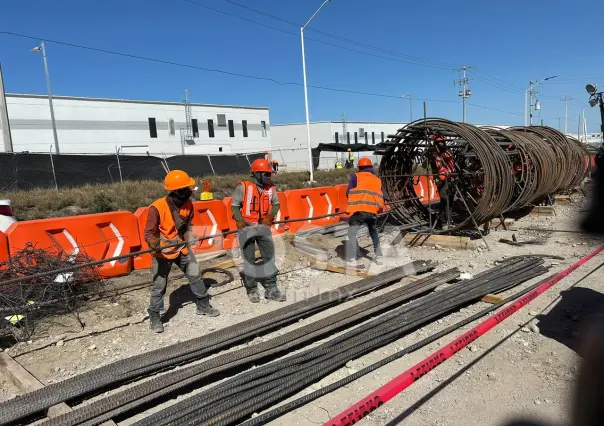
x=102, y=126
x=289, y=142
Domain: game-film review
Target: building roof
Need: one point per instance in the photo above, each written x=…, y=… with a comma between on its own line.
x=131, y=101
x=340, y=122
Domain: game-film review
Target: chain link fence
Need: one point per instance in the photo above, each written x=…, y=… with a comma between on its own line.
x=23, y=171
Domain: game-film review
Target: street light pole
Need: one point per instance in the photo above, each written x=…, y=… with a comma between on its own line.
x=310, y=164
x=41, y=48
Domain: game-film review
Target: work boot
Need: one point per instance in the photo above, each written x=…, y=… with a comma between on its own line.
x=273, y=293
x=378, y=260
x=155, y=322
x=354, y=264
x=253, y=295
x=204, y=308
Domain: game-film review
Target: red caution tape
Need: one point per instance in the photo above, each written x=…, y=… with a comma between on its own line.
x=368, y=404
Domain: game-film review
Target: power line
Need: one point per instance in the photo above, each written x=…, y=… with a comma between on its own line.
x=298, y=25
x=234, y=74
x=409, y=61
x=412, y=60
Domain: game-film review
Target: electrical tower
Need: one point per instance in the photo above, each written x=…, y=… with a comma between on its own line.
x=464, y=84
x=186, y=134
x=344, y=133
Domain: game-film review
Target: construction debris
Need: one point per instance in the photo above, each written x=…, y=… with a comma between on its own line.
x=24, y=303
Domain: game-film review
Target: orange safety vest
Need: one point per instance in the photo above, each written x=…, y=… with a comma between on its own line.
x=444, y=164
x=168, y=230
x=255, y=205
x=367, y=196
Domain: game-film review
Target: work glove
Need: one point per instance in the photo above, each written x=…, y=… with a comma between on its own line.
x=267, y=220
x=241, y=225
x=154, y=243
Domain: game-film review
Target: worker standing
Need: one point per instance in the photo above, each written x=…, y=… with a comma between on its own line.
x=351, y=158
x=255, y=205
x=444, y=165
x=275, y=165
x=168, y=223
x=365, y=201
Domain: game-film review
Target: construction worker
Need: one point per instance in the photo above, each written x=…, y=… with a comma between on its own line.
x=365, y=201
x=255, y=205
x=339, y=165
x=444, y=165
x=275, y=165
x=351, y=158
x=169, y=222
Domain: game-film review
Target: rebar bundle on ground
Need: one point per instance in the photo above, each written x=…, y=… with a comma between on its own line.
x=253, y=390
x=496, y=170
x=185, y=352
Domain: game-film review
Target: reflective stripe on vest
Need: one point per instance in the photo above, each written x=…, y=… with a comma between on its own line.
x=367, y=196
x=168, y=234
x=255, y=205
x=444, y=164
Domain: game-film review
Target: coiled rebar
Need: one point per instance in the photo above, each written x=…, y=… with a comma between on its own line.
x=496, y=170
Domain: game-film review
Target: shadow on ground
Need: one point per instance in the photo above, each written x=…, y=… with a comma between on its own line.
x=570, y=315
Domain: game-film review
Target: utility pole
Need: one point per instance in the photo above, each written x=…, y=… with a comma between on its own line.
x=465, y=91
x=4, y=122
x=565, y=99
x=531, y=92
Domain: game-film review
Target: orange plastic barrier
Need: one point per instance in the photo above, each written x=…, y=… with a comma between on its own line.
x=590, y=163
x=425, y=189
x=342, y=198
x=99, y=236
x=210, y=218
x=143, y=261
x=311, y=202
x=3, y=247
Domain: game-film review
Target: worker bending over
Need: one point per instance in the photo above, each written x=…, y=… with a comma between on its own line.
x=255, y=205
x=444, y=164
x=168, y=223
x=365, y=201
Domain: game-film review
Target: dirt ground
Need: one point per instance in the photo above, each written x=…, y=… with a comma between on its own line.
x=524, y=367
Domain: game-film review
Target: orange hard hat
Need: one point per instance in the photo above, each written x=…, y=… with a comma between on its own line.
x=365, y=162
x=177, y=179
x=261, y=166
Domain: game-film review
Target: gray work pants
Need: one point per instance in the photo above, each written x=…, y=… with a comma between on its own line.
x=161, y=269
x=266, y=271
x=355, y=222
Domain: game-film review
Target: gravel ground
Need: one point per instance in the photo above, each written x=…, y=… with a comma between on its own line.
x=523, y=367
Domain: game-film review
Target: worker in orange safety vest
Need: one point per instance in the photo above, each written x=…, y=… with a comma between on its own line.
x=444, y=165
x=365, y=201
x=169, y=222
x=255, y=205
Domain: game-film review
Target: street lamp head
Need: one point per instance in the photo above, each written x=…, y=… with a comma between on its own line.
x=591, y=88
x=549, y=78
x=593, y=102
x=36, y=49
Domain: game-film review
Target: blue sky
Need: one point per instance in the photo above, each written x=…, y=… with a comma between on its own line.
x=413, y=48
